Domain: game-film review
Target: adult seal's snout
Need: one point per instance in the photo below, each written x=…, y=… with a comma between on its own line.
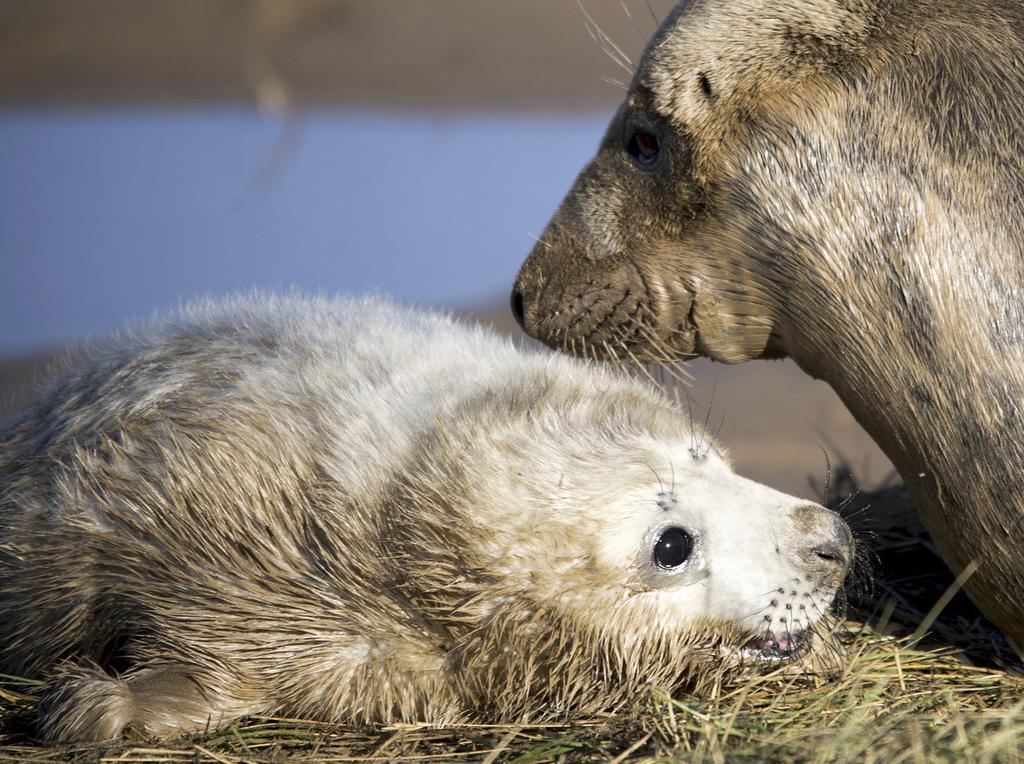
x=839, y=183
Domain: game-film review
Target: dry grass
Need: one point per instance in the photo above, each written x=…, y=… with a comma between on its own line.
x=955, y=693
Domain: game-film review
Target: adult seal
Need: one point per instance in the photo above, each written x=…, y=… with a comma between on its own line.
x=354, y=512
x=838, y=181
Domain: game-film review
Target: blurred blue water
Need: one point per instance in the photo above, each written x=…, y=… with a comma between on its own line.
x=105, y=217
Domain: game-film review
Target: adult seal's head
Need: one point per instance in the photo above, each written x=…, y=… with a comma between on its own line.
x=839, y=182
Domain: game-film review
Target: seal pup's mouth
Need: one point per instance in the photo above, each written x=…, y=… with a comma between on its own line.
x=777, y=649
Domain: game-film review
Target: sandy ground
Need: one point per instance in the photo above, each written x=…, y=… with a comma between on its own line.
x=403, y=54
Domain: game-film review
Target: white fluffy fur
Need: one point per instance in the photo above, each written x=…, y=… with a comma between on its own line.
x=361, y=512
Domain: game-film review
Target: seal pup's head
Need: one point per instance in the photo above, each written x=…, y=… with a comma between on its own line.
x=602, y=545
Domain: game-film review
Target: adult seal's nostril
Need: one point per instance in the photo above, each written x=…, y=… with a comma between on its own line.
x=518, y=311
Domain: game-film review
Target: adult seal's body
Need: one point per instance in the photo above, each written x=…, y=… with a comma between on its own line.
x=839, y=182
x=359, y=513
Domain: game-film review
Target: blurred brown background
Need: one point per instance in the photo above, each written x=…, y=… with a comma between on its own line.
x=545, y=58
x=423, y=54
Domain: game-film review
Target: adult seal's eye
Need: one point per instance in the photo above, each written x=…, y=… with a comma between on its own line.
x=673, y=547
x=644, y=147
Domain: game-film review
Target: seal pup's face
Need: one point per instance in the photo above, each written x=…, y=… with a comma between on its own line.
x=696, y=541
x=592, y=546
x=661, y=537
x=737, y=154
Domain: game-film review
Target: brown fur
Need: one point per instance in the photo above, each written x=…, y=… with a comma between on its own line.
x=840, y=181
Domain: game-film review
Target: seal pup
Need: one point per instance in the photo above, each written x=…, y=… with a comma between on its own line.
x=841, y=183
x=356, y=512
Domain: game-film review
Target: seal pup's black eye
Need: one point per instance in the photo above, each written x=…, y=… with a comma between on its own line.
x=644, y=147
x=673, y=547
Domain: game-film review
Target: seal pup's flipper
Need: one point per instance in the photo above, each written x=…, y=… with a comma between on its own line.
x=86, y=704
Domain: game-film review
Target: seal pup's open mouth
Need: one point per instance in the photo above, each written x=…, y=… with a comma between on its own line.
x=774, y=648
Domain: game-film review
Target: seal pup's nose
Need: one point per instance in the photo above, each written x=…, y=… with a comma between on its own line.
x=828, y=545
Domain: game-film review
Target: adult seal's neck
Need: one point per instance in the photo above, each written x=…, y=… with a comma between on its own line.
x=943, y=400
